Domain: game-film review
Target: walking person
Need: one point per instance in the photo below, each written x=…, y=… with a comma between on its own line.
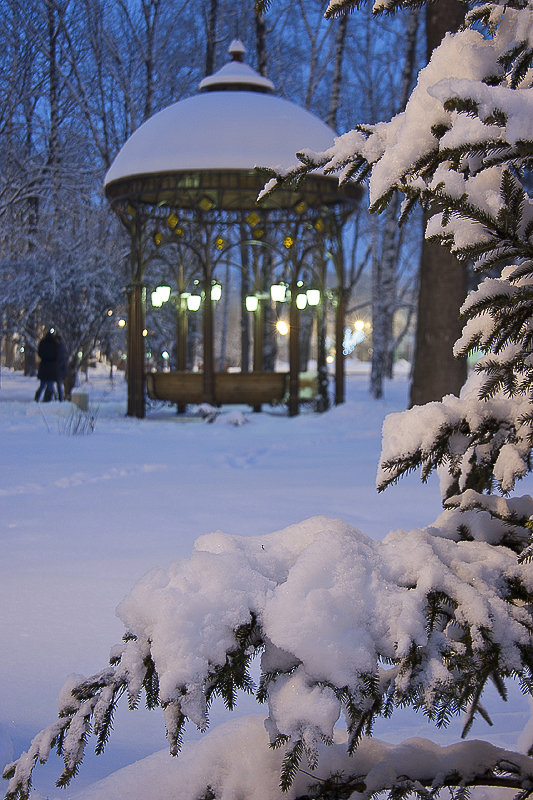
x=61, y=367
x=47, y=372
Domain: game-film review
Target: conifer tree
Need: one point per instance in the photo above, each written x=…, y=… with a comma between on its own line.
x=345, y=625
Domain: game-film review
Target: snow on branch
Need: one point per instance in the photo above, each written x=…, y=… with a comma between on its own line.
x=473, y=441
x=345, y=626
x=470, y=111
x=211, y=768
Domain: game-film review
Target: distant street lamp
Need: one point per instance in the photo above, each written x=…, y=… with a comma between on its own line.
x=252, y=302
x=301, y=301
x=194, y=301
x=278, y=292
x=313, y=297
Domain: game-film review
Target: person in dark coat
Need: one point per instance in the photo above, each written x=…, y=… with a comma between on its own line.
x=61, y=367
x=47, y=372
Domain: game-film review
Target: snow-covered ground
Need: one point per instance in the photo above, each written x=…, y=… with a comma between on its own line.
x=84, y=516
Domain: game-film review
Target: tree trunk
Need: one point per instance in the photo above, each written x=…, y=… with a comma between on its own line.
x=443, y=287
x=150, y=9
x=385, y=258
x=443, y=279
x=53, y=97
x=211, y=37
x=260, y=43
x=340, y=41
x=383, y=296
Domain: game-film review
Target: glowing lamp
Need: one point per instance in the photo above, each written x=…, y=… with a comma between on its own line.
x=216, y=291
x=163, y=292
x=282, y=327
x=313, y=297
x=301, y=301
x=278, y=292
x=194, y=302
x=252, y=302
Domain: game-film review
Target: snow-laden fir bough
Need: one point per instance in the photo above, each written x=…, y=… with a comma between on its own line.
x=347, y=627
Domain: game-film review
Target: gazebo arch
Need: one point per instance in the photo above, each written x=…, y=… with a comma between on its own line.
x=188, y=173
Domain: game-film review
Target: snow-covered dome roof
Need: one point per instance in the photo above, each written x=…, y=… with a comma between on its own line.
x=234, y=123
x=236, y=74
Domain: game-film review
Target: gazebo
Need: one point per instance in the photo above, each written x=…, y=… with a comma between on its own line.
x=186, y=182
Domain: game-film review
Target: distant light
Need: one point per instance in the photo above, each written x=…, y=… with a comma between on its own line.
x=165, y=355
x=22, y=349
x=110, y=312
x=80, y=354
x=121, y=323
x=282, y=327
x=194, y=301
x=252, y=302
x=313, y=297
x=52, y=330
x=145, y=332
x=301, y=301
x=359, y=325
x=288, y=241
x=156, y=299
x=330, y=359
x=216, y=291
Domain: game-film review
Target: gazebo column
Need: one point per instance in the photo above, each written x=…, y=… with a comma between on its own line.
x=294, y=353
x=136, y=377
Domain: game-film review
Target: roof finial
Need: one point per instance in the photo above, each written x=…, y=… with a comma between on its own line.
x=237, y=50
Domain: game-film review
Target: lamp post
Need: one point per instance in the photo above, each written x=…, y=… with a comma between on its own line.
x=294, y=352
x=254, y=304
